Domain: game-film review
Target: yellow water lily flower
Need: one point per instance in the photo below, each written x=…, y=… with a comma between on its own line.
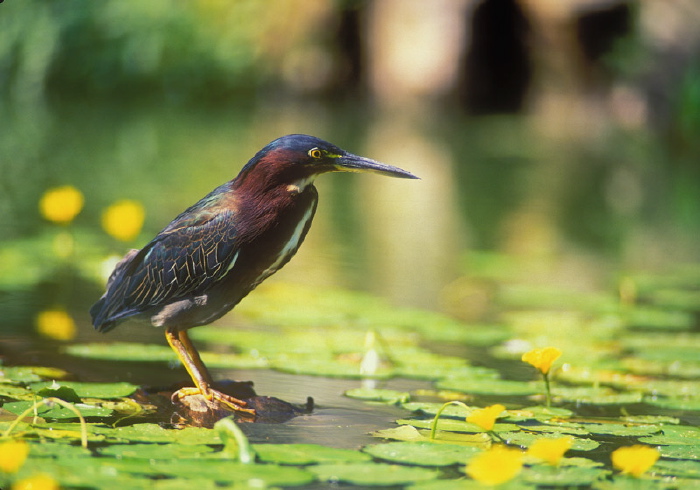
x=542, y=358
x=36, y=482
x=635, y=460
x=550, y=450
x=12, y=455
x=486, y=417
x=124, y=219
x=495, y=466
x=61, y=204
x=56, y=324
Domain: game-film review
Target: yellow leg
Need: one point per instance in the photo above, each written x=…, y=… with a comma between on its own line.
x=188, y=355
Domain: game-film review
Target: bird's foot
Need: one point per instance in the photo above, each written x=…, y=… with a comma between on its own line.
x=223, y=400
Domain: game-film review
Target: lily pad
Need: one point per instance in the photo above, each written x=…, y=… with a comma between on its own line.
x=545, y=475
x=123, y=351
x=490, y=386
x=156, y=451
x=455, y=425
x=92, y=390
x=155, y=433
x=305, y=454
x=525, y=439
x=674, y=403
x=375, y=474
x=57, y=411
x=378, y=395
x=422, y=453
x=680, y=452
x=678, y=468
x=674, y=435
x=622, y=430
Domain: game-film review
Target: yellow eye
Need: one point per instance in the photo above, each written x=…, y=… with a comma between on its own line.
x=315, y=153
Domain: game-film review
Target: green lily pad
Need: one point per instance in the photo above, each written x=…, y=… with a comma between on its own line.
x=658, y=319
x=674, y=435
x=422, y=453
x=623, y=430
x=156, y=451
x=29, y=374
x=674, y=403
x=155, y=433
x=305, y=454
x=63, y=392
x=57, y=411
x=400, y=433
x=77, y=472
x=559, y=428
x=378, y=395
x=332, y=368
x=490, y=386
x=651, y=419
x=57, y=450
x=16, y=392
x=680, y=452
x=543, y=413
x=525, y=439
x=595, y=396
x=123, y=351
x=545, y=475
x=92, y=390
x=375, y=474
x=455, y=425
x=678, y=468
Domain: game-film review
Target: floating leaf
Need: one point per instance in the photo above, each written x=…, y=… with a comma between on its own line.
x=490, y=386
x=456, y=425
x=658, y=319
x=562, y=477
x=156, y=451
x=674, y=403
x=623, y=430
x=57, y=411
x=674, y=434
x=92, y=390
x=422, y=453
x=526, y=439
x=680, y=452
x=375, y=474
x=63, y=392
x=123, y=351
x=401, y=433
x=304, y=454
x=378, y=395
x=678, y=468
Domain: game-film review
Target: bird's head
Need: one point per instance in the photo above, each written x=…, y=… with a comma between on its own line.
x=299, y=158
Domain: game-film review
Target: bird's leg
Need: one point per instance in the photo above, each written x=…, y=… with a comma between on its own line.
x=188, y=355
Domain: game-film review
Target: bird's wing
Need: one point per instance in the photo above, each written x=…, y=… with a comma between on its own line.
x=197, y=249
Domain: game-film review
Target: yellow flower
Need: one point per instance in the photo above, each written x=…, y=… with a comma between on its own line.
x=12, y=455
x=495, y=466
x=61, y=204
x=542, y=359
x=123, y=219
x=634, y=460
x=36, y=482
x=56, y=324
x=486, y=417
x=550, y=450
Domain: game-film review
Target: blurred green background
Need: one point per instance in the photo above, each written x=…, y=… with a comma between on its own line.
x=563, y=135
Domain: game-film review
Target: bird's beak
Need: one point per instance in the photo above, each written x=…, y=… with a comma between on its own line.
x=353, y=163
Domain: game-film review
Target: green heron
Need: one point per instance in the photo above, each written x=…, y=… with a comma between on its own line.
x=218, y=250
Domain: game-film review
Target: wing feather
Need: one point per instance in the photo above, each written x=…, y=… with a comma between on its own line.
x=185, y=259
